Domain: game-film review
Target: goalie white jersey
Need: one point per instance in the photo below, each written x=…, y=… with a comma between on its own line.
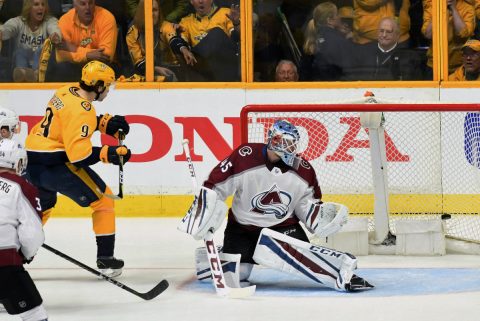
x=265, y=193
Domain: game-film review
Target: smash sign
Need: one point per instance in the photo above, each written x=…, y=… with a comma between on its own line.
x=162, y=137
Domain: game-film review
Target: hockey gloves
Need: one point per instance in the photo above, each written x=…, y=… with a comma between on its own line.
x=110, y=125
x=206, y=213
x=112, y=154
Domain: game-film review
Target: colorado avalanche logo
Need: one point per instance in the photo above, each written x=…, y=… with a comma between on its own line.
x=245, y=151
x=272, y=202
x=305, y=164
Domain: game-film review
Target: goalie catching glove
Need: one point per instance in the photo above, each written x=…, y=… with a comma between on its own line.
x=206, y=213
x=326, y=219
x=110, y=125
x=112, y=154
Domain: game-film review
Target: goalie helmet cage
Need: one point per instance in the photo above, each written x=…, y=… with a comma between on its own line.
x=432, y=153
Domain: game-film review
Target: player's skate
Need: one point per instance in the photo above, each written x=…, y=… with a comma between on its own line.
x=347, y=281
x=110, y=266
x=357, y=284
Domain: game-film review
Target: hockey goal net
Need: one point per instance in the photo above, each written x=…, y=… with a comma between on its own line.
x=432, y=153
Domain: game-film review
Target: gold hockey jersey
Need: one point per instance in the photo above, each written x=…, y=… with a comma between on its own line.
x=65, y=130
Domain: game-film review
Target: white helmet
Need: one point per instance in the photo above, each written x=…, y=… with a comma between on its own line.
x=12, y=155
x=10, y=120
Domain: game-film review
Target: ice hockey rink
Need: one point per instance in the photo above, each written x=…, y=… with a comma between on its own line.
x=407, y=288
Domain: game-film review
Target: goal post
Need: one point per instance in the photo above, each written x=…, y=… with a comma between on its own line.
x=429, y=167
x=373, y=122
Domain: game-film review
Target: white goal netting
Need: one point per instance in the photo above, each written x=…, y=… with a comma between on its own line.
x=432, y=153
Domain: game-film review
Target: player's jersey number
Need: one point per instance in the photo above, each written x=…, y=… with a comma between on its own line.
x=85, y=131
x=47, y=122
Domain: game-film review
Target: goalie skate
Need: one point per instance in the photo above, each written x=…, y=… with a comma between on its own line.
x=110, y=266
x=358, y=284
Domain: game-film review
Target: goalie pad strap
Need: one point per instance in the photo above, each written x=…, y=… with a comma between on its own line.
x=230, y=266
x=322, y=265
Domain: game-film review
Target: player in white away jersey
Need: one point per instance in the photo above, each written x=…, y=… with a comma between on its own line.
x=9, y=123
x=273, y=190
x=21, y=234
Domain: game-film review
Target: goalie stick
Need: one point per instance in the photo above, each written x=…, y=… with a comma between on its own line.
x=159, y=288
x=218, y=277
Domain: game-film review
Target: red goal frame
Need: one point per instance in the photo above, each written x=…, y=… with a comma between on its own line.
x=334, y=107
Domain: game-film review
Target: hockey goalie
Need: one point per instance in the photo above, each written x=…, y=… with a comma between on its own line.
x=274, y=189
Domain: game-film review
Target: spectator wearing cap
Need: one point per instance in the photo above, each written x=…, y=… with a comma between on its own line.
x=470, y=69
x=286, y=71
x=346, y=21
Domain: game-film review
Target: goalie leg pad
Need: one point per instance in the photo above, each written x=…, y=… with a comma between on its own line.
x=230, y=266
x=331, y=268
x=206, y=213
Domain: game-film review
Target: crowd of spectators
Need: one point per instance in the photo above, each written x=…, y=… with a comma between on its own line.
x=199, y=40
x=349, y=40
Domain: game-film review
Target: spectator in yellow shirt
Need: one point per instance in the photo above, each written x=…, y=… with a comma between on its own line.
x=209, y=42
x=470, y=69
x=164, y=59
x=461, y=24
x=89, y=33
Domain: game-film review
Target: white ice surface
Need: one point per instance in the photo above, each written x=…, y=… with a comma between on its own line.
x=153, y=249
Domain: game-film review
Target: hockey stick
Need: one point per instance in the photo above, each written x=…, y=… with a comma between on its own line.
x=218, y=277
x=121, y=137
x=159, y=288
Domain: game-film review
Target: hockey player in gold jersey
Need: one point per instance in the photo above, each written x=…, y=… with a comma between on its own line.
x=60, y=154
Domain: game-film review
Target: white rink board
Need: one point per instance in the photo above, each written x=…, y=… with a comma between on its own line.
x=165, y=174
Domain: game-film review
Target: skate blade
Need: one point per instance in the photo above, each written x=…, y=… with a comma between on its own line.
x=112, y=273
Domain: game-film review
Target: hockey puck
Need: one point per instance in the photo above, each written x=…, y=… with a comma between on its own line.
x=446, y=216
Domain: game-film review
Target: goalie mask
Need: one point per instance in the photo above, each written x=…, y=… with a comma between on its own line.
x=13, y=156
x=9, y=123
x=283, y=139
